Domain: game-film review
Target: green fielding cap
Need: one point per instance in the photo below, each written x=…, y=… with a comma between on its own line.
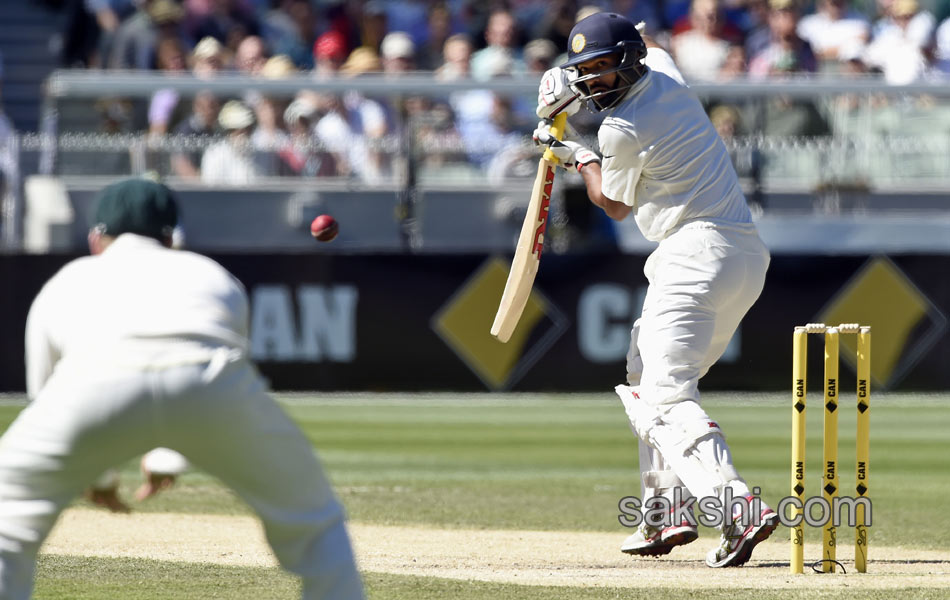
x=137, y=206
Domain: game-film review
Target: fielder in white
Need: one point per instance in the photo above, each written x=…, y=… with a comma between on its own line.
x=662, y=160
x=140, y=346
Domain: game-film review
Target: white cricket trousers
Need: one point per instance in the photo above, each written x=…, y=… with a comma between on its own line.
x=94, y=414
x=702, y=281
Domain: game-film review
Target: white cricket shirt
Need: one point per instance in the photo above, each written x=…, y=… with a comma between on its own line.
x=662, y=156
x=135, y=291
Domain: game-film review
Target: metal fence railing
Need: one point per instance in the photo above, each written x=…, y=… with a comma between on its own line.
x=832, y=138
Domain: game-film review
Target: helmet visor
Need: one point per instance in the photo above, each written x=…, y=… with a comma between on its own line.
x=600, y=95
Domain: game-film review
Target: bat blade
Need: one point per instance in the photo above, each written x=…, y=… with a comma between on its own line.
x=524, y=265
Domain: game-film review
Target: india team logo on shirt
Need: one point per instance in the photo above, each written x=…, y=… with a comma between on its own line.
x=578, y=43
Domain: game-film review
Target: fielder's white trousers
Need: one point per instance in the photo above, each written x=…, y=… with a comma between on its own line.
x=702, y=281
x=92, y=415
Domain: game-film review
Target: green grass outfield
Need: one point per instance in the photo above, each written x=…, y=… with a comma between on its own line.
x=536, y=462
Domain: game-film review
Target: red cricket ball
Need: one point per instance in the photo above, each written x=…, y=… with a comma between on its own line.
x=324, y=228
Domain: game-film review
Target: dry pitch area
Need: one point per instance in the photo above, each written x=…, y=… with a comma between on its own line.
x=580, y=559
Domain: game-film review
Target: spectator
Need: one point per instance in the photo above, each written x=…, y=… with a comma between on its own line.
x=502, y=38
x=278, y=66
x=636, y=11
x=456, y=58
x=136, y=39
x=362, y=60
x=231, y=160
x=727, y=30
x=353, y=126
x=471, y=107
x=507, y=155
x=429, y=54
x=725, y=119
x=251, y=55
x=337, y=15
x=539, y=56
x=897, y=49
x=557, y=23
x=758, y=34
x=270, y=139
x=329, y=54
x=787, y=117
x=848, y=112
x=919, y=29
x=786, y=52
x=490, y=123
x=198, y=128
x=228, y=21
x=276, y=23
x=81, y=34
x=473, y=16
x=112, y=116
x=398, y=53
x=942, y=50
x=90, y=29
x=373, y=25
x=734, y=67
x=301, y=156
x=164, y=102
x=701, y=51
x=434, y=133
x=208, y=58
x=586, y=11
x=835, y=31
x=9, y=165
x=291, y=29
x=745, y=158
x=675, y=15
x=410, y=16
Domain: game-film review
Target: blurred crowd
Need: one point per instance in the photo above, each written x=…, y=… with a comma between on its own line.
x=355, y=135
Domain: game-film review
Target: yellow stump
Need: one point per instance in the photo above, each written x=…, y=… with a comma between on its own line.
x=799, y=386
x=829, y=483
x=863, y=447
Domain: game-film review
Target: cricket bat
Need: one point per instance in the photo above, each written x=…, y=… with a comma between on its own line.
x=524, y=266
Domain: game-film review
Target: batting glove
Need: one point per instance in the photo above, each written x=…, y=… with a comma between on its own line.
x=555, y=95
x=569, y=154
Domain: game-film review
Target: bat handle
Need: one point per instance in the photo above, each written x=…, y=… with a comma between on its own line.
x=560, y=124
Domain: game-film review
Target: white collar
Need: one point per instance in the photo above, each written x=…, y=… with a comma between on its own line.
x=132, y=240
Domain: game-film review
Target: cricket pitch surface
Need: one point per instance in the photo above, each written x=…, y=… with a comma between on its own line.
x=551, y=558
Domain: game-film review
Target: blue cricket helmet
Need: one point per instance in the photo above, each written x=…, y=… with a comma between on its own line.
x=602, y=34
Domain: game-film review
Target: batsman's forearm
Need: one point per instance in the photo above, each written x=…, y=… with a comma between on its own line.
x=617, y=211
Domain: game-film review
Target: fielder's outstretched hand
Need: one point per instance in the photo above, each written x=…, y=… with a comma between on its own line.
x=153, y=484
x=107, y=498
x=569, y=153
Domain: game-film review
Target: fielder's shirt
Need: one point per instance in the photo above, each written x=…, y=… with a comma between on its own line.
x=136, y=291
x=663, y=157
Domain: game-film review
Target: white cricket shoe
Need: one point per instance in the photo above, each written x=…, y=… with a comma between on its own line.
x=657, y=541
x=737, y=541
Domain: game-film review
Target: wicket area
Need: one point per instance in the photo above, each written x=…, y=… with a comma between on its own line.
x=830, y=437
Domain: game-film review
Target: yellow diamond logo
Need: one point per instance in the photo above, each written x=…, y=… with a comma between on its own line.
x=904, y=322
x=464, y=323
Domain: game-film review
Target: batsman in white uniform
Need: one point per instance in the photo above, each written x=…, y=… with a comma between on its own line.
x=662, y=160
x=140, y=346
